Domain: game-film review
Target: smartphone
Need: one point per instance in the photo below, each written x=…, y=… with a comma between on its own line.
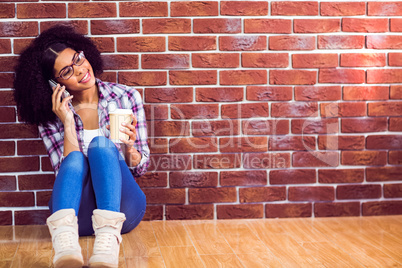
x=53, y=84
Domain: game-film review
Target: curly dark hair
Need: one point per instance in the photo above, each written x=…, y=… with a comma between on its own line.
x=32, y=92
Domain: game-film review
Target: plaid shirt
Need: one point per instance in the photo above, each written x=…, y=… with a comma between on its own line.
x=111, y=96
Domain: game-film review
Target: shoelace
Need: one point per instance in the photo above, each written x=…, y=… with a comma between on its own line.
x=104, y=241
x=65, y=240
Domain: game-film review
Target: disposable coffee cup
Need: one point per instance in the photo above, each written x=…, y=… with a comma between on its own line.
x=117, y=117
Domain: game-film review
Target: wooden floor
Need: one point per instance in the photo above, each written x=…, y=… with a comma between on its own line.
x=319, y=242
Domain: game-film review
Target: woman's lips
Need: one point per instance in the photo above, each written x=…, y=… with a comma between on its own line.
x=86, y=78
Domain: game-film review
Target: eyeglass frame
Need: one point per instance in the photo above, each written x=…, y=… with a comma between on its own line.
x=72, y=65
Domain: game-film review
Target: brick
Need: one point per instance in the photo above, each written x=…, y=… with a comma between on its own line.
x=243, y=211
x=43, y=198
x=219, y=94
x=193, y=179
x=288, y=210
x=7, y=11
x=5, y=46
x=244, y=8
x=340, y=175
x=217, y=25
x=102, y=27
x=158, y=145
x=140, y=44
x=215, y=128
x=269, y=93
x=396, y=25
x=194, y=8
x=153, y=179
x=341, y=42
x=384, y=142
x=265, y=60
x=19, y=164
x=311, y=193
x=7, y=114
x=8, y=63
x=169, y=94
x=292, y=77
x=120, y=61
x=91, y=10
x=212, y=195
x=393, y=190
x=315, y=159
x=343, y=109
x=278, y=26
x=389, y=8
x=243, y=77
x=216, y=161
x=342, y=8
x=316, y=25
x=318, y=93
x=194, y=111
x=192, y=43
x=363, y=125
x=365, y=191
x=153, y=213
x=395, y=124
x=17, y=199
x=385, y=109
x=36, y=182
x=366, y=158
x=8, y=183
x=265, y=127
x=243, y=144
x=165, y=196
x=165, y=61
x=351, y=93
x=45, y=164
x=104, y=44
x=193, y=77
x=242, y=43
x=315, y=126
x=31, y=217
x=164, y=26
x=377, y=208
x=243, y=178
x=384, y=76
x=6, y=218
x=143, y=9
x=384, y=41
x=314, y=60
x=41, y=10
x=190, y=212
x=365, y=25
x=332, y=142
x=266, y=160
x=394, y=59
x=288, y=42
x=395, y=157
x=18, y=28
x=215, y=60
x=290, y=8
x=168, y=128
x=262, y=194
x=291, y=143
x=31, y=147
x=108, y=76
x=193, y=145
x=244, y=110
x=294, y=109
x=292, y=176
x=7, y=98
x=337, y=209
x=150, y=78
x=156, y=112
x=383, y=174
x=363, y=60
x=343, y=76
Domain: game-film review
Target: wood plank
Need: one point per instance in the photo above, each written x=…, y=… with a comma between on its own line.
x=171, y=234
x=141, y=242
x=221, y=260
x=184, y=256
x=145, y=262
x=259, y=260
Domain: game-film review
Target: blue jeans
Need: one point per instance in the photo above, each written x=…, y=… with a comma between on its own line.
x=100, y=181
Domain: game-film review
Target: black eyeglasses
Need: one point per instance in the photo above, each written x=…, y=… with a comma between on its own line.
x=68, y=71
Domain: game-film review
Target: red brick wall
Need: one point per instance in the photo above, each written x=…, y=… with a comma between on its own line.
x=256, y=109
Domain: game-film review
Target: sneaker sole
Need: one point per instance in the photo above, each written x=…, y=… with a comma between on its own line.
x=69, y=261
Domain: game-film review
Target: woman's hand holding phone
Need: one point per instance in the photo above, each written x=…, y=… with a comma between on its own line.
x=60, y=105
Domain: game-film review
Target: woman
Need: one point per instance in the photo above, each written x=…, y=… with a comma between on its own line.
x=94, y=177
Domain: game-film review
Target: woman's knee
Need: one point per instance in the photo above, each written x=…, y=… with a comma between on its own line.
x=102, y=145
x=75, y=160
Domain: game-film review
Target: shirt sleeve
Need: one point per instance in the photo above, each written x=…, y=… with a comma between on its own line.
x=141, y=143
x=53, y=138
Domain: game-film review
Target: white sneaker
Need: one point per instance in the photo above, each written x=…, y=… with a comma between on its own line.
x=63, y=228
x=107, y=226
